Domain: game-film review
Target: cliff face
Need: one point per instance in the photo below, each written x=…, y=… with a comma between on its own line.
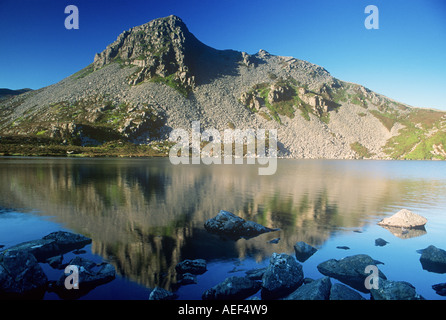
x=162, y=48
x=158, y=76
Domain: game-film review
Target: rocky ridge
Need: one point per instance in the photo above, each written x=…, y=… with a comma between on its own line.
x=158, y=76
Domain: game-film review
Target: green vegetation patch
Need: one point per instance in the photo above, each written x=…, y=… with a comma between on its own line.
x=84, y=72
x=45, y=146
x=433, y=147
x=173, y=83
x=387, y=119
x=361, y=150
x=424, y=136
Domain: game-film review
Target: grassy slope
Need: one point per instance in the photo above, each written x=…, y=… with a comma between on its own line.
x=423, y=129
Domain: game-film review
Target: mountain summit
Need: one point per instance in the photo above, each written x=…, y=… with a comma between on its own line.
x=161, y=48
x=158, y=77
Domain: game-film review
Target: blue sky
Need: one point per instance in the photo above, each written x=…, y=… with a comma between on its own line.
x=405, y=59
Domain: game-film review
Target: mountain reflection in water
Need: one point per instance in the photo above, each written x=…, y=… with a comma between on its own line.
x=146, y=215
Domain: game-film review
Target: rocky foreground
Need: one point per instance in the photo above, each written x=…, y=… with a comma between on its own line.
x=283, y=278
x=22, y=276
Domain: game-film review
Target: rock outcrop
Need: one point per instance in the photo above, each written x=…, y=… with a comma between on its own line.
x=159, y=48
x=279, y=92
x=229, y=225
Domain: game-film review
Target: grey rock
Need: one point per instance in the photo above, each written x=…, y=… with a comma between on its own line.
x=350, y=270
x=405, y=219
x=197, y=266
x=90, y=276
x=53, y=244
x=380, y=242
x=279, y=93
x=248, y=60
x=303, y=251
x=394, y=290
x=161, y=294
x=159, y=48
x=255, y=274
x=40, y=248
x=440, y=288
x=232, y=288
x=188, y=278
x=21, y=276
x=433, y=259
x=55, y=262
x=232, y=226
x=67, y=241
x=316, y=290
x=341, y=292
x=283, y=275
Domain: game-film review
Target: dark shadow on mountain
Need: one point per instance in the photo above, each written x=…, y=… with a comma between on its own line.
x=208, y=64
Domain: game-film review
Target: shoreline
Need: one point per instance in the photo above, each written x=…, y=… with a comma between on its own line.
x=14, y=146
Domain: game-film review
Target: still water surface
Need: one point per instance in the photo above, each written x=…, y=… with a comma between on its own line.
x=146, y=215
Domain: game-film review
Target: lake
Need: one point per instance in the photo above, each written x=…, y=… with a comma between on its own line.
x=146, y=215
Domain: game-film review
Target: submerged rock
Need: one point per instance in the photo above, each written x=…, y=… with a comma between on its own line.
x=255, y=274
x=232, y=288
x=90, y=275
x=56, y=262
x=350, y=270
x=53, y=244
x=161, y=294
x=433, y=259
x=394, y=290
x=282, y=276
x=230, y=225
x=341, y=292
x=315, y=290
x=197, y=266
x=440, y=288
x=380, y=242
x=21, y=276
x=303, y=251
x=405, y=219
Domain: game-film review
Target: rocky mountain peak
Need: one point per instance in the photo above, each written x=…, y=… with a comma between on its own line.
x=158, y=76
x=160, y=48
